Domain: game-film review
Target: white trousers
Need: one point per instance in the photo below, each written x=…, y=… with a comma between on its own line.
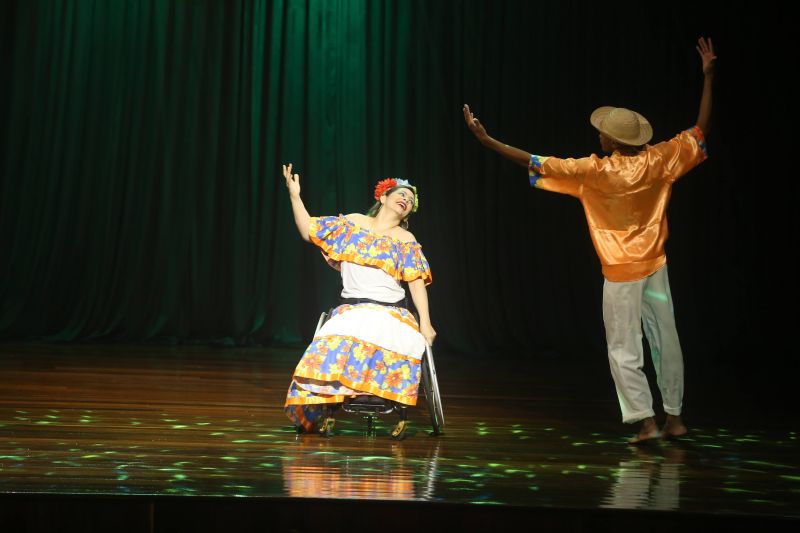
x=626, y=307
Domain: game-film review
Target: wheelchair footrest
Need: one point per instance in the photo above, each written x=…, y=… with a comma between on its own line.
x=368, y=404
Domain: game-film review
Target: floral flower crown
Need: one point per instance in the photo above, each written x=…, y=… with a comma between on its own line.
x=390, y=183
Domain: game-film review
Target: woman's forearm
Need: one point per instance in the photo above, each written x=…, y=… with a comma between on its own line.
x=301, y=217
x=419, y=295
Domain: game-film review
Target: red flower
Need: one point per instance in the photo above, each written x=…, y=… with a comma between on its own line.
x=383, y=186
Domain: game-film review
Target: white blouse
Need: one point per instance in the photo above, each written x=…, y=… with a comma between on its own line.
x=360, y=281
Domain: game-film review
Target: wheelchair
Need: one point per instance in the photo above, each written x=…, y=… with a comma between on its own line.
x=371, y=407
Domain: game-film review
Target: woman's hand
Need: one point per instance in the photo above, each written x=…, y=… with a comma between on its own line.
x=301, y=216
x=292, y=181
x=428, y=332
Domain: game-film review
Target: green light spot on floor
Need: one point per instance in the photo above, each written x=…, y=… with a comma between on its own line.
x=604, y=478
x=580, y=443
x=202, y=423
x=90, y=456
x=530, y=476
x=43, y=422
x=765, y=463
x=179, y=426
x=242, y=441
x=582, y=467
x=122, y=477
x=533, y=487
x=230, y=458
x=486, y=502
x=478, y=474
x=495, y=465
x=169, y=419
x=601, y=442
x=566, y=472
x=791, y=478
x=12, y=457
x=266, y=435
x=266, y=465
x=217, y=434
x=746, y=440
x=179, y=477
x=136, y=423
x=50, y=416
x=709, y=446
x=375, y=458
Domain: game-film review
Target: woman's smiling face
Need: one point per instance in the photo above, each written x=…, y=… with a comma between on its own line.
x=400, y=200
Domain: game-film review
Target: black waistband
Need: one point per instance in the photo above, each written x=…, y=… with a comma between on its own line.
x=353, y=301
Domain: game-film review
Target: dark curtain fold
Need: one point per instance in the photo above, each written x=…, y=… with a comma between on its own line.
x=142, y=144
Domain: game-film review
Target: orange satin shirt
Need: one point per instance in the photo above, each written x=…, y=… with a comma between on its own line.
x=625, y=199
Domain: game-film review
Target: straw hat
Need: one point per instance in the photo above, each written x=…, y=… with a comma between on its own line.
x=623, y=125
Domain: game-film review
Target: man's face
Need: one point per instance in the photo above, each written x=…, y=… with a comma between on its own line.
x=607, y=144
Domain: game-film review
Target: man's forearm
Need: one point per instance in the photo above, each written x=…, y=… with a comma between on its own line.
x=515, y=155
x=704, y=115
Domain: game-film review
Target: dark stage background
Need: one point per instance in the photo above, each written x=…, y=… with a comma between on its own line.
x=142, y=142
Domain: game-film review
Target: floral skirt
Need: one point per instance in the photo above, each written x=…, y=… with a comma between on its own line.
x=362, y=349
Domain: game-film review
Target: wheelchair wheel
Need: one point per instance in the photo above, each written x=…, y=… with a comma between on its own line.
x=323, y=317
x=431, y=390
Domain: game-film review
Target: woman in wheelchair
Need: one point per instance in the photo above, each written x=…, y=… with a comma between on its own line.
x=372, y=345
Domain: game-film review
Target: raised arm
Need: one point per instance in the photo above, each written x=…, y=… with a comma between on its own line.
x=706, y=50
x=516, y=155
x=420, y=297
x=301, y=216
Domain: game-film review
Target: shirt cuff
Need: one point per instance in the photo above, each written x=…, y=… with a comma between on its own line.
x=535, y=169
x=697, y=133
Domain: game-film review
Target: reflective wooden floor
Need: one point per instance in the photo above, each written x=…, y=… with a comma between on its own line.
x=124, y=420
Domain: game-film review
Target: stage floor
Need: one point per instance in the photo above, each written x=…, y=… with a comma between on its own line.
x=191, y=421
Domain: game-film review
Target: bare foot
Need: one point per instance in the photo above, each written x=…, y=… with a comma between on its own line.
x=647, y=432
x=673, y=427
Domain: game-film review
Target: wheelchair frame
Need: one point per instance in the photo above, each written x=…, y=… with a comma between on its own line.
x=370, y=406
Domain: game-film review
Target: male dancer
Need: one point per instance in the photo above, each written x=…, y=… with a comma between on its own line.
x=625, y=197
